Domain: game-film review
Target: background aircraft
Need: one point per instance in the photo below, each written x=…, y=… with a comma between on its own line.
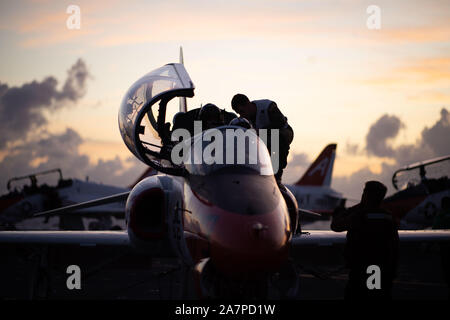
x=22, y=202
x=421, y=187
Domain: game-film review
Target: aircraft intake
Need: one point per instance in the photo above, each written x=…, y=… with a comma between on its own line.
x=146, y=216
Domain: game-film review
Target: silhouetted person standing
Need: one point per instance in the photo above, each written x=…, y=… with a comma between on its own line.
x=372, y=239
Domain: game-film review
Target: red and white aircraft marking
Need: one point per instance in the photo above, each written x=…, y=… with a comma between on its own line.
x=313, y=191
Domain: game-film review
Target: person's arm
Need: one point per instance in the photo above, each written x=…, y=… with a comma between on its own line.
x=277, y=119
x=342, y=219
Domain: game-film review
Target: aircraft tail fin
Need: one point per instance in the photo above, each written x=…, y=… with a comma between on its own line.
x=147, y=173
x=320, y=171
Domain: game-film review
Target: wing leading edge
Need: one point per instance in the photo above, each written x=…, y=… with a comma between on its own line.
x=120, y=238
x=81, y=238
x=328, y=238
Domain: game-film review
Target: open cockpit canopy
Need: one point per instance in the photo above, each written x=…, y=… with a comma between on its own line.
x=142, y=114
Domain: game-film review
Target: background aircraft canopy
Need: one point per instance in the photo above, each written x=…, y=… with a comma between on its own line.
x=416, y=173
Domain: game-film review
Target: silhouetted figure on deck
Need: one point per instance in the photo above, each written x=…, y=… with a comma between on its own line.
x=372, y=240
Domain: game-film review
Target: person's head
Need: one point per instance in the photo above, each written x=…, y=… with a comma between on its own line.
x=242, y=105
x=177, y=118
x=445, y=203
x=210, y=116
x=373, y=194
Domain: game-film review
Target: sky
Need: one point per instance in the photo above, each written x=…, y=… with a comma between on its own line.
x=382, y=94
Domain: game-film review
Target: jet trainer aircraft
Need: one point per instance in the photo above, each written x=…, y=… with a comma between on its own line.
x=228, y=223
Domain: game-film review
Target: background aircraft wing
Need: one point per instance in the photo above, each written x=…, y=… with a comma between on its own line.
x=328, y=238
x=88, y=204
x=81, y=238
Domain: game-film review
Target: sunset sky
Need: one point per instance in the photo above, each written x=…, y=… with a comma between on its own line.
x=330, y=75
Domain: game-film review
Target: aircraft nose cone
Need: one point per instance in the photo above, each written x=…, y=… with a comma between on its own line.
x=258, y=230
x=259, y=244
x=259, y=227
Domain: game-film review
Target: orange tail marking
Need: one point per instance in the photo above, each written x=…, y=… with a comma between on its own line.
x=319, y=172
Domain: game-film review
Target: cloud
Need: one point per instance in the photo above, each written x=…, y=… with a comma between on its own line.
x=351, y=186
x=75, y=86
x=405, y=34
x=117, y=23
x=22, y=108
x=421, y=71
x=430, y=96
x=296, y=166
x=433, y=142
x=352, y=149
x=27, y=147
x=437, y=137
x=385, y=128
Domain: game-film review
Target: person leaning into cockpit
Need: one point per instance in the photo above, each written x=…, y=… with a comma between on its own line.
x=210, y=116
x=264, y=114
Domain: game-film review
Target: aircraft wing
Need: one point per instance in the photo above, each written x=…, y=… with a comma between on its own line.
x=120, y=238
x=329, y=238
x=88, y=205
x=81, y=238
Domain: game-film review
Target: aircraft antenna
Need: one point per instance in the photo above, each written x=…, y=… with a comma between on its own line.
x=183, y=101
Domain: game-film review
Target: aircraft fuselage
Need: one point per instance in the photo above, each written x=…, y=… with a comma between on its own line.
x=245, y=232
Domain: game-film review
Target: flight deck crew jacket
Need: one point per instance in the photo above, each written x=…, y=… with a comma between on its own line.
x=268, y=116
x=372, y=238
